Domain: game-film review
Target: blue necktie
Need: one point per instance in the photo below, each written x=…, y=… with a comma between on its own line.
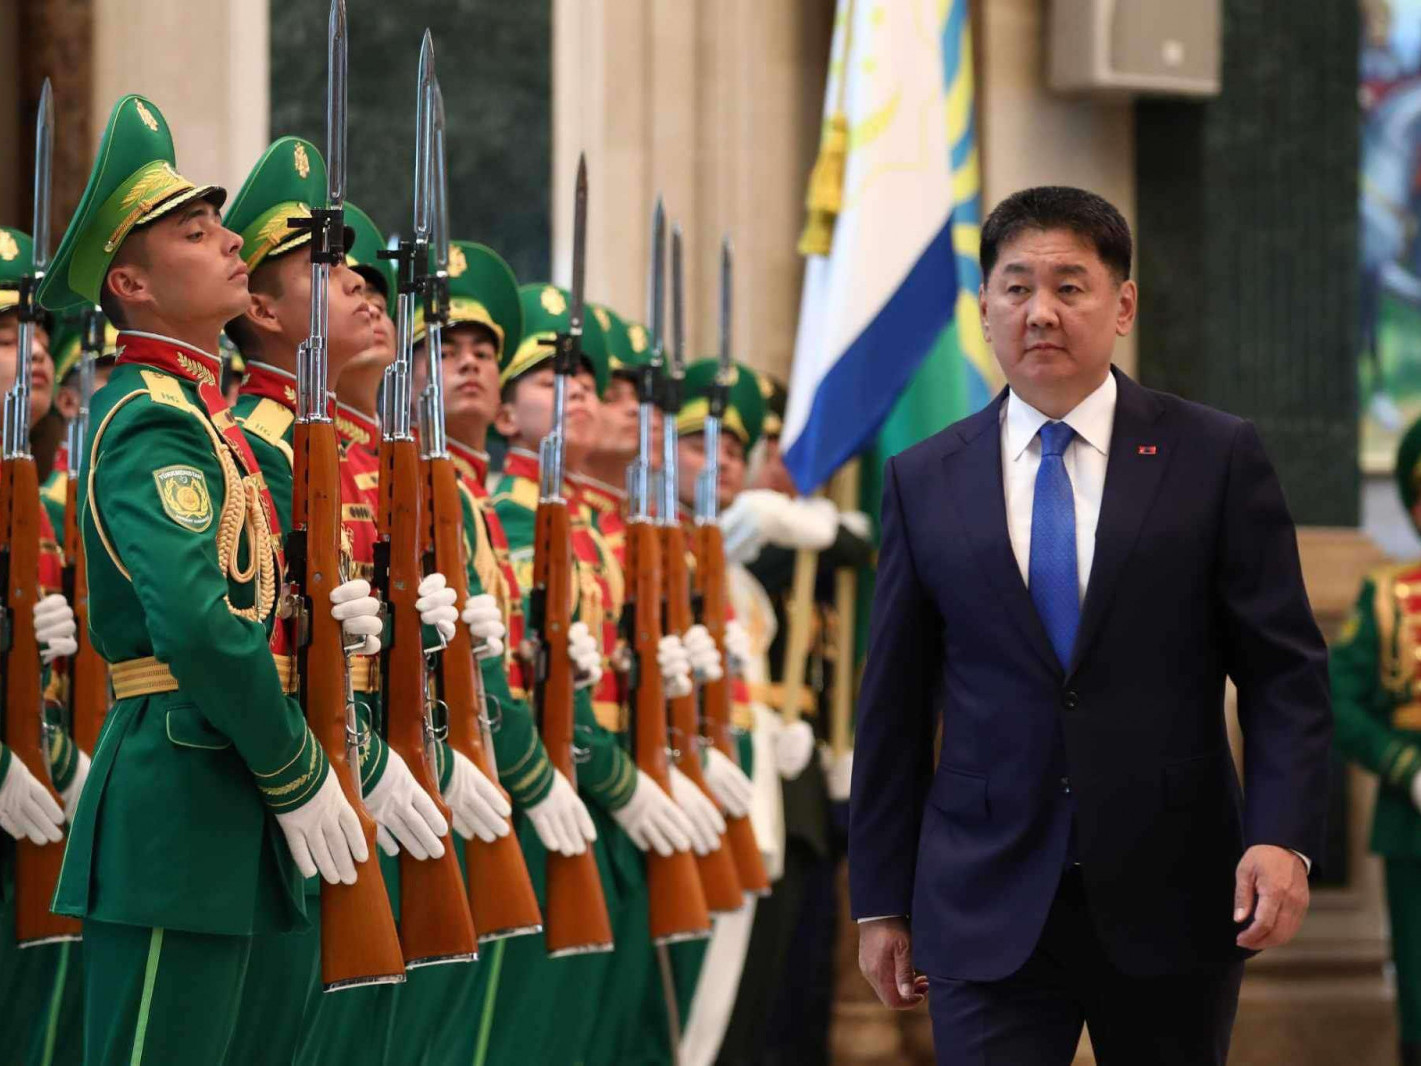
x=1055, y=588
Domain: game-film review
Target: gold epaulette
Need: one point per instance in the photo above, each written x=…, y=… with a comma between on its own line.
x=58, y=489
x=270, y=421
x=524, y=493
x=165, y=389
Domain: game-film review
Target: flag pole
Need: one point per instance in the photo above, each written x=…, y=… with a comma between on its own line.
x=844, y=491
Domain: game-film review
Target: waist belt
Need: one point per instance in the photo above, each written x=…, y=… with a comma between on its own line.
x=147, y=676
x=772, y=695
x=365, y=673
x=1407, y=717
x=609, y=715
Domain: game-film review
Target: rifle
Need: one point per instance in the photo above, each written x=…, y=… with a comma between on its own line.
x=359, y=942
x=26, y=728
x=719, y=881
x=676, y=899
x=575, y=915
x=436, y=925
x=88, y=673
x=501, y=893
x=713, y=592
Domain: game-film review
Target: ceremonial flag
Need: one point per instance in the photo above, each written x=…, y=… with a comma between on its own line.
x=890, y=347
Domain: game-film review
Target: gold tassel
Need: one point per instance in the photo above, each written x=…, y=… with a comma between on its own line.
x=825, y=196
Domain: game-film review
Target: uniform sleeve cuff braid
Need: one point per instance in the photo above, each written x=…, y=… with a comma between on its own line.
x=297, y=779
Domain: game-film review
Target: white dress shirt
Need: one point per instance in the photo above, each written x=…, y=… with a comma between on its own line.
x=1085, y=457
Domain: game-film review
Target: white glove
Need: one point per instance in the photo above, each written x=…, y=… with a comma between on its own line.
x=406, y=813
x=561, y=819
x=26, y=807
x=749, y=522
x=811, y=522
x=857, y=523
x=707, y=825
x=54, y=628
x=704, y=655
x=728, y=782
x=324, y=833
x=358, y=613
x=479, y=808
x=794, y=744
x=737, y=647
x=675, y=667
x=1416, y=790
x=838, y=773
x=70, y=795
x=653, y=820
x=486, y=628
x=436, y=604
x=586, y=656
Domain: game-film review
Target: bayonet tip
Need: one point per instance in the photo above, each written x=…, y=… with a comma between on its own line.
x=426, y=56
x=582, y=170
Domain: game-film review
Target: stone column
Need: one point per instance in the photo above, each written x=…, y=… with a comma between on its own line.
x=716, y=107
x=205, y=64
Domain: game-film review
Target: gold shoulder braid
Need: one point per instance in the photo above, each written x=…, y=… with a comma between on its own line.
x=242, y=512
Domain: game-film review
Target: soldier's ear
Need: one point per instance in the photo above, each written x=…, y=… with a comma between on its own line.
x=262, y=313
x=505, y=422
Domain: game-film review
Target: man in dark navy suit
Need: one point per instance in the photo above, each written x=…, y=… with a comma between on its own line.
x=1066, y=580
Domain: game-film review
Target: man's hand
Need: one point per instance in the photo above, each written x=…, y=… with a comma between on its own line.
x=886, y=960
x=1272, y=885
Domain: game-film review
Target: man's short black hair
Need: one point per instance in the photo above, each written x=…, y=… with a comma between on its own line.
x=1049, y=207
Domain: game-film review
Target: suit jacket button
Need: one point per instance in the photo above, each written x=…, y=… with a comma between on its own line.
x=1070, y=700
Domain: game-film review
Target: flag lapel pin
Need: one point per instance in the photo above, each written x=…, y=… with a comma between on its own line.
x=1147, y=449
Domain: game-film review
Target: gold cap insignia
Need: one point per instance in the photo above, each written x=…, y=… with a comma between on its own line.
x=553, y=301
x=603, y=319
x=183, y=493
x=146, y=116
x=303, y=162
x=458, y=263
x=638, y=337
x=9, y=247
x=767, y=387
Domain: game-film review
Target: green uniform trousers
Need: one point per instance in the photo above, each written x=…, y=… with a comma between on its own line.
x=1403, y=897
x=283, y=978
x=41, y=1000
x=542, y=1010
x=155, y=997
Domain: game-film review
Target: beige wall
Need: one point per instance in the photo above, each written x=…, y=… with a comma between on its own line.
x=1033, y=137
x=715, y=105
x=216, y=102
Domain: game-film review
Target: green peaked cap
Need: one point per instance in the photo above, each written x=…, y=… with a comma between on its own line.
x=1408, y=466
x=546, y=313
x=17, y=258
x=362, y=252
x=628, y=346
x=287, y=182
x=483, y=290
x=744, y=409
x=66, y=341
x=134, y=182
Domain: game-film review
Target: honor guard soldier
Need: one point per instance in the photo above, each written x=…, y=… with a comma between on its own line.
x=66, y=346
x=209, y=796
x=41, y=999
x=286, y=181
x=1376, y=702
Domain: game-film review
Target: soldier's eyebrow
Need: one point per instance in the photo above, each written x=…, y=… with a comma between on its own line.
x=200, y=208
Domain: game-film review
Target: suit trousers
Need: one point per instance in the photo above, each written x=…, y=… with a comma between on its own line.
x=1034, y=1017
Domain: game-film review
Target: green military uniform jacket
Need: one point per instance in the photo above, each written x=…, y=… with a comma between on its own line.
x=175, y=825
x=609, y=775
x=1376, y=700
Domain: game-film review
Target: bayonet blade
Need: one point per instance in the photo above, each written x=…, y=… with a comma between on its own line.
x=726, y=276
x=338, y=41
x=440, y=177
x=678, y=321
x=424, y=120
x=579, y=248
x=656, y=283
x=44, y=155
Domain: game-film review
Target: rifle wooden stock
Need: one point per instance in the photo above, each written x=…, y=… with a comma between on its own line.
x=36, y=865
x=359, y=942
x=435, y=922
x=719, y=879
x=575, y=913
x=501, y=893
x=712, y=587
x=88, y=673
x=677, y=902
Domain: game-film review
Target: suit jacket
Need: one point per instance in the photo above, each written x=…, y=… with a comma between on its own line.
x=1196, y=578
